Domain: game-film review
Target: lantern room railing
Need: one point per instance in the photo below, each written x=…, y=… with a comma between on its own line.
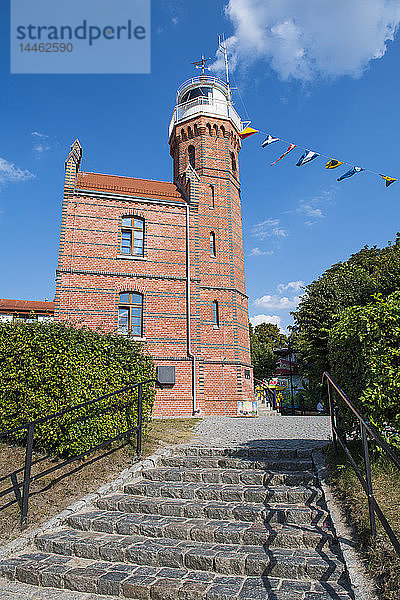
x=205, y=105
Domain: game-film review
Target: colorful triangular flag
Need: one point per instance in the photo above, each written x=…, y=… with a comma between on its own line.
x=350, y=173
x=307, y=157
x=291, y=147
x=269, y=140
x=332, y=164
x=388, y=180
x=247, y=131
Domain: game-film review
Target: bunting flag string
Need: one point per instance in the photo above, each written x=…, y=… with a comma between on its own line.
x=389, y=180
x=291, y=147
x=269, y=140
x=350, y=173
x=247, y=131
x=307, y=157
x=332, y=164
x=310, y=155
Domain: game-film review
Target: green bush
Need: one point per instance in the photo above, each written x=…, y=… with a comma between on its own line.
x=364, y=354
x=45, y=368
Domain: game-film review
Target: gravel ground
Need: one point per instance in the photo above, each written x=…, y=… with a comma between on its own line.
x=272, y=430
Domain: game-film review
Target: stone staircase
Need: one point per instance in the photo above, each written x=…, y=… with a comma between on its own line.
x=206, y=523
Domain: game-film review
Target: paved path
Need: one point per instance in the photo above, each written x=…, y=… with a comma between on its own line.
x=272, y=430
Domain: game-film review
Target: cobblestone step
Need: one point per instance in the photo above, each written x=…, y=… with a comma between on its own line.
x=250, y=560
x=230, y=511
x=236, y=476
x=223, y=492
x=254, y=452
x=203, y=530
x=215, y=462
x=159, y=583
x=209, y=509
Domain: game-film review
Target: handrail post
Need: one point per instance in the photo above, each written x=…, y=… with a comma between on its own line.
x=140, y=420
x=369, y=480
x=27, y=474
x=332, y=414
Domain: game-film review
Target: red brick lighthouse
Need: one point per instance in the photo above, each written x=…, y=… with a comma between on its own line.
x=162, y=262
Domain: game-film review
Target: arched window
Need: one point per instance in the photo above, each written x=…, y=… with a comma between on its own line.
x=209, y=128
x=215, y=314
x=132, y=236
x=213, y=250
x=222, y=131
x=212, y=196
x=216, y=130
x=130, y=314
x=192, y=156
x=190, y=133
x=233, y=161
x=183, y=134
x=196, y=129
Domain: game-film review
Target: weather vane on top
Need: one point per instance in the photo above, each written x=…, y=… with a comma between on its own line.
x=201, y=64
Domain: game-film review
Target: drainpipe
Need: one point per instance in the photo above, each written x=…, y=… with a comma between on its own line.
x=188, y=317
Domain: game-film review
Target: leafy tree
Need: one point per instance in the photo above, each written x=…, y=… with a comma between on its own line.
x=364, y=351
x=264, y=338
x=345, y=284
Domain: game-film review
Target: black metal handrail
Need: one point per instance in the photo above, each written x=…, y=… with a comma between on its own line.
x=366, y=428
x=270, y=393
x=22, y=499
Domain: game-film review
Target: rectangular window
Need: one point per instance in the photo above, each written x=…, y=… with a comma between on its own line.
x=247, y=374
x=212, y=196
x=126, y=241
x=132, y=239
x=215, y=314
x=123, y=321
x=213, y=250
x=130, y=314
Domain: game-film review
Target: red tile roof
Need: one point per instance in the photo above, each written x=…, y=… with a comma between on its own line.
x=26, y=306
x=148, y=188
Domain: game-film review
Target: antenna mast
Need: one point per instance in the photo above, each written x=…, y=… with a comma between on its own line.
x=222, y=48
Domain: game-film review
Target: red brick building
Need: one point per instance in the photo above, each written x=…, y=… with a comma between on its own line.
x=163, y=261
x=28, y=311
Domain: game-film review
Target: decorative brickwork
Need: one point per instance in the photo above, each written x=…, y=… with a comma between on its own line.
x=176, y=265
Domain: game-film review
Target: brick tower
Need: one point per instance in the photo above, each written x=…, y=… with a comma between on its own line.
x=204, y=144
x=162, y=262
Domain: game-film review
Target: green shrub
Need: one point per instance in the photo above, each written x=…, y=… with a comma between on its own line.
x=364, y=354
x=45, y=368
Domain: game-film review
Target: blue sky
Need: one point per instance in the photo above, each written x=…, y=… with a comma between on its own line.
x=324, y=76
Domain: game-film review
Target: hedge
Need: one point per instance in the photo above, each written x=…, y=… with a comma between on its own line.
x=46, y=367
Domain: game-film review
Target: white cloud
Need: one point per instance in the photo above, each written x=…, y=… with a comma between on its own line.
x=39, y=135
x=310, y=211
x=275, y=302
x=258, y=319
x=41, y=148
x=313, y=209
x=294, y=286
x=309, y=39
x=41, y=143
x=10, y=173
x=269, y=228
x=258, y=252
x=285, y=298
